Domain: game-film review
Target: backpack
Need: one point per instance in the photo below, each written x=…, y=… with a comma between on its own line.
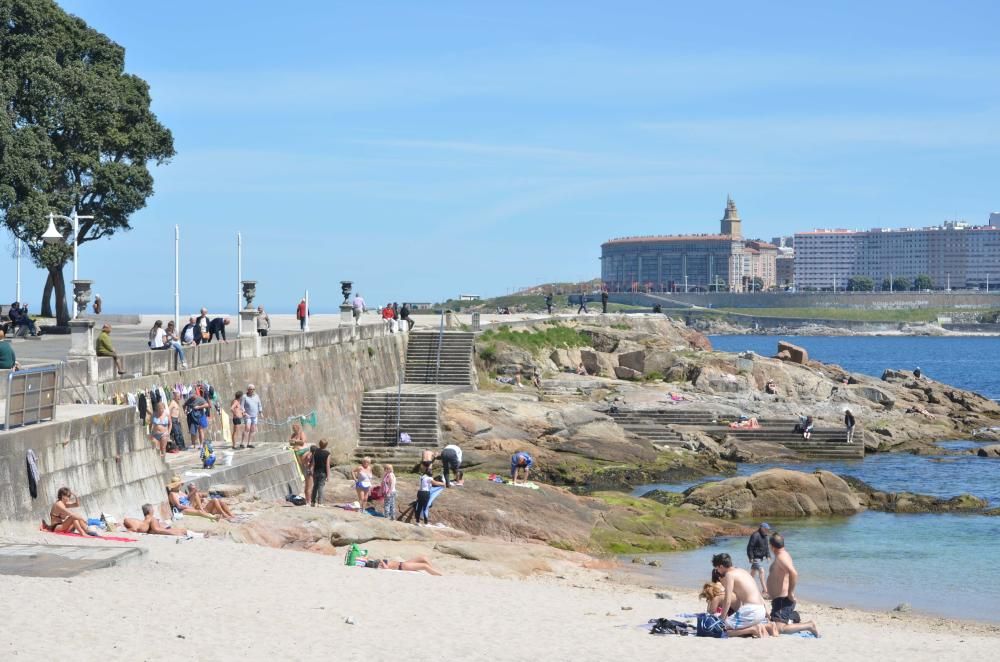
x=710, y=625
x=296, y=499
x=668, y=626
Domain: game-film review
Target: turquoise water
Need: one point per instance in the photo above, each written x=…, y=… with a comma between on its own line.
x=958, y=361
x=941, y=564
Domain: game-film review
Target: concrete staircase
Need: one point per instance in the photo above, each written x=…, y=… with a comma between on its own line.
x=456, y=367
x=419, y=406
x=655, y=425
x=826, y=443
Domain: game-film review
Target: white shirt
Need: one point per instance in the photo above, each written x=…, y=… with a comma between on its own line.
x=426, y=482
x=359, y=303
x=458, y=451
x=159, y=339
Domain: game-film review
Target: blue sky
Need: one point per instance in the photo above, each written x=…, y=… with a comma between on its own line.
x=430, y=149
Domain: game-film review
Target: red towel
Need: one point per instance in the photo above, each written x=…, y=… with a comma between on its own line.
x=77, y=535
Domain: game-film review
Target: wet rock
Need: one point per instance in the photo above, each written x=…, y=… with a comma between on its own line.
x=754, y=452
x=989, y=451
x=621, y=372
x=903, y=607
x=775, y=493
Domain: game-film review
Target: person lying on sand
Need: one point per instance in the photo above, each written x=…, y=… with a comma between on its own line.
x=62, y=519
x=151, y=524
x=412, y=565
x=203, y=502
x=182, y=503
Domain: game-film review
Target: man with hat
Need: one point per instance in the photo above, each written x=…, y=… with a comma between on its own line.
x=758, y=550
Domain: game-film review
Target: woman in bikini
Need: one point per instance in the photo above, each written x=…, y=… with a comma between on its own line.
x=62, y=519
x=182, y=503
x=236, y=410
x=418, y=564
x=204, y=503
x=159, y=430
x=303, y=457
x=363, y=481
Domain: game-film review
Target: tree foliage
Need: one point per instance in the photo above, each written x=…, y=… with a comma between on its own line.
x=901, y=284
x=75, y=131
x=860, y=284
x=922, y=282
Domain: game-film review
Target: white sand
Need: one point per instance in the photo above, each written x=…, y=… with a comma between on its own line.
x=211, y=599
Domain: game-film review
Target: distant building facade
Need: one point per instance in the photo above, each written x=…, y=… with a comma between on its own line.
x=699, y=262
x=954, y=255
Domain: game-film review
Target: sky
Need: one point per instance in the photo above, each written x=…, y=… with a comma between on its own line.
x=430, y=149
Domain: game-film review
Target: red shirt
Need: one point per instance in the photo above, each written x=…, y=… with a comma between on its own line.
x=300, y=312
x=387, y=313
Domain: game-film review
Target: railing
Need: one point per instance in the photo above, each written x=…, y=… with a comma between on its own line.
x=437, y=367
x=31, y=396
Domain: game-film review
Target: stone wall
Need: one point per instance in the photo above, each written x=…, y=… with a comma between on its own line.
x=100, y=452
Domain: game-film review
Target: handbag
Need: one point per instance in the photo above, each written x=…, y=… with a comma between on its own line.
x=205, y=335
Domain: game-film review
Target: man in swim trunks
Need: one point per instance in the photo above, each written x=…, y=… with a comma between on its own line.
x=781, y=582
x=151, y=524
x=757, y=552
x=751, y=618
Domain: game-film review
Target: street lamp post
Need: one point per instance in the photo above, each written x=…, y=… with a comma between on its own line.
x=177, y=278
x=17, y=290
x=239, y=285
x=52, y=235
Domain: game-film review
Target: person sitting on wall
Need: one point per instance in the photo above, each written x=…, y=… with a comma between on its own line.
x=62, y=519
x=151, y=524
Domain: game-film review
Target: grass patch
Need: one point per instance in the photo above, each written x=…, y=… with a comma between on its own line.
x=533, y=341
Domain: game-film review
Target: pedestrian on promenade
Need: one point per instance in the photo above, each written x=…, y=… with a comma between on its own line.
x=105, y=348
x=217, y=329
x=358, y=305
x=201, y=331
x=583, y=304
x=252, y=410
x=159, y=339
x=236, y=411
x=451, y=459
x=849, y=423
x=604, y=301
x=320, y=472
x=98, y=304
x=188, y=332
x=757, y=552
x=404, y=314
x=263, y=322
x=301, y=313
x=8, y=359
x=548, y=302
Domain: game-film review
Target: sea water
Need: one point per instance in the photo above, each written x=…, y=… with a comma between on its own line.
x=943, y=564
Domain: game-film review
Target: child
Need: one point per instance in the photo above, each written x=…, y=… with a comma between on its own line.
x=388, y=492
x=424, y=494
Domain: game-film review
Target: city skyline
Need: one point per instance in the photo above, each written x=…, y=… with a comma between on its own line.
x=427, y=151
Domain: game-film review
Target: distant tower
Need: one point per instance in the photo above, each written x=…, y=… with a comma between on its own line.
x=731, y=223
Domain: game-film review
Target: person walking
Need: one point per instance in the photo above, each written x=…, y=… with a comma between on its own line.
x=451, y=458
x=358, y=306
x=849, y=423
x=263, y=322
x=301, y=314
x=604, y=301
x=105, y=348
x=320, y=472
x=548, y=303
x=757, y=551
x=583, y=304
x=252, y=410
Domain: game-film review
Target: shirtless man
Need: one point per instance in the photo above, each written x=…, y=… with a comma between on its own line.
x=781, y=582
x=151, y=524
x=750, y=619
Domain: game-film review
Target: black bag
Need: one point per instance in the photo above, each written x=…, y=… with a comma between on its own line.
x=296, y=499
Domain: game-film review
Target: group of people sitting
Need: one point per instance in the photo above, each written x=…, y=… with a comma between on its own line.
x=736, y=597
x=393, y=315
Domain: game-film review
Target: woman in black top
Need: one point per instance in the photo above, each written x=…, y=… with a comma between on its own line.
x=320, y=471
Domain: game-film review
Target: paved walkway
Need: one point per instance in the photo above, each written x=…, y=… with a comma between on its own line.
x=27, y=560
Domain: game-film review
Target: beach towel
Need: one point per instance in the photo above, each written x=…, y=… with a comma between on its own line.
x=530, y=486
x=77, y=535
x=435, y=491
x=227, y=429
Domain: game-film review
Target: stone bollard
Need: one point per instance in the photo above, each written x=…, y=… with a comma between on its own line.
x=82, y=346
x=248, y=322
x=346, y=313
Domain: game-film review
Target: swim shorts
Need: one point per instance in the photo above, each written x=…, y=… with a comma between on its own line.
x=746, y=616
x=757, y=564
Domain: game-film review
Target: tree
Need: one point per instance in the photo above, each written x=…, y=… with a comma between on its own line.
x=76, y=131
x=922, y=282
x=900, y=284
x=886, y=284
x=860, y=284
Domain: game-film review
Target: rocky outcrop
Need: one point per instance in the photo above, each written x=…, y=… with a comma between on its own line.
x=775, y=493
x=989, y=451
x=908, y=502
x=755, y=452
x=795, y=353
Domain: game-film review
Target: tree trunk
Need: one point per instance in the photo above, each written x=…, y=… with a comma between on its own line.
x=46, y=309
x=59, y=285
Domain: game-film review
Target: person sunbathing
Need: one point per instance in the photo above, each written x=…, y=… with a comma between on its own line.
x=182, y=503
x=417, y=564
x=62, y=519
x=151, y=524
x=204, y=503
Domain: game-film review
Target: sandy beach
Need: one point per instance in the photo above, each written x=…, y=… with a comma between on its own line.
x=215, y=599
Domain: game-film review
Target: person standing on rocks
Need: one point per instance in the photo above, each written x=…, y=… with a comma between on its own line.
x=604, y=301
x=451, y=458
x=548, y=302
x=781, y=582
x=757, y=552
x=849, y=423
x=320, y=472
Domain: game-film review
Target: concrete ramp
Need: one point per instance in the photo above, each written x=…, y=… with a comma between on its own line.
x=27, y=560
